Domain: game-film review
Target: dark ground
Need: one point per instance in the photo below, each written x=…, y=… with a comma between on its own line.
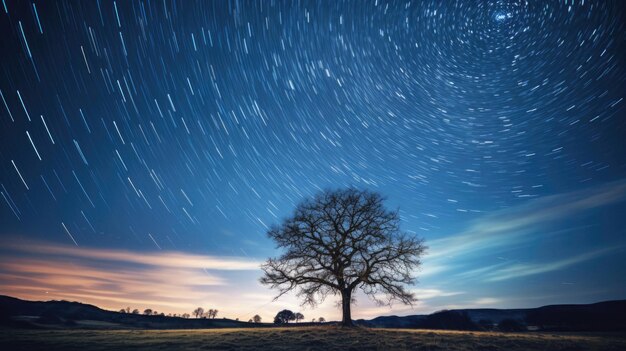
x=325, y=338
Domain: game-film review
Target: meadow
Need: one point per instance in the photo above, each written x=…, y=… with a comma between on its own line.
x=304, y=338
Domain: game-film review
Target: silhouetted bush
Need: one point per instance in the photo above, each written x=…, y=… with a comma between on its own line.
x=606, y=316
x=511, y=325
x=49, y=318
x=284, y=316
x=450, y=320
x=486, y=324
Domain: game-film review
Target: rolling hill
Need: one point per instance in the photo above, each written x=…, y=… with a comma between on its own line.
x=602, y=316
x=19, y=313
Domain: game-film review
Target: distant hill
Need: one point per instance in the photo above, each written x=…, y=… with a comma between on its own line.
x=64, y=314
x=601, y=316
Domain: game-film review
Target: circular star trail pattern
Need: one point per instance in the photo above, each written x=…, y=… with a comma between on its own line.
x=196, y=125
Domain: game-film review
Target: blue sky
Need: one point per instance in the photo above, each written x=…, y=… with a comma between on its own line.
x=185, y=129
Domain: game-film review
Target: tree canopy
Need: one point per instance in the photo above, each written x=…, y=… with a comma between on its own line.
x=339, y=241
x=284, y=316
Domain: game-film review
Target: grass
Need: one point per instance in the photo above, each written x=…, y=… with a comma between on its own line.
x=325, y=338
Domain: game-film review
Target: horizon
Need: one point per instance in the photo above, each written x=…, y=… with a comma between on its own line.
x=147, y=148
x=179, y=315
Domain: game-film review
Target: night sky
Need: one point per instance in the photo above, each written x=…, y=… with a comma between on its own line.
x=146, y=146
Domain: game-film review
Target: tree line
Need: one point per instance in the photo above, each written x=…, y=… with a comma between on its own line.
x=201, y=313
x=285, y=316
x=198, y=313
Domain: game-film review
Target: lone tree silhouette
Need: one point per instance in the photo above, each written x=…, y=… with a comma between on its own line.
x=256, y=318
x=198, y=312
x=212, y=313
x=284, y=316
x=342, y=240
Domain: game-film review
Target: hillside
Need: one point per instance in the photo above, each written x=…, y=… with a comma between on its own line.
x=18, y=313
x=602, y=316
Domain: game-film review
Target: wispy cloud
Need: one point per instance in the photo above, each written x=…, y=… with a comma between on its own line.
x=519, y=225
x=499, y=273
x=426, y=294
x=486, y=301
x=169, y=281
x=171, y=259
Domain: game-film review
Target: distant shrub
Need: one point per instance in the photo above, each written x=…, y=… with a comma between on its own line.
x=604, y=316
x=511, y=325
x=452, y=320
x=284, y=316
x=486, y=324
x=49, y=318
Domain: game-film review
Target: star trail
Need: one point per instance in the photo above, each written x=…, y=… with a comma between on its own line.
x=498, y=129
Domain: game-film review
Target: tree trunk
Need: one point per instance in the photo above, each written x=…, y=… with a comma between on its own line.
x=346, y=299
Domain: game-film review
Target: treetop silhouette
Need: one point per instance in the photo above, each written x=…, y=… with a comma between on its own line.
x=341, y=240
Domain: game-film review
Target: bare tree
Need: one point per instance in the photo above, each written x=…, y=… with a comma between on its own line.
x=256, y=318
x=185, y=315
x=299, y=316
x=339, y=241
x=198, y=312
x=214, y=314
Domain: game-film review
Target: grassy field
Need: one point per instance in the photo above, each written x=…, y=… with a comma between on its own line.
x=302, y=338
